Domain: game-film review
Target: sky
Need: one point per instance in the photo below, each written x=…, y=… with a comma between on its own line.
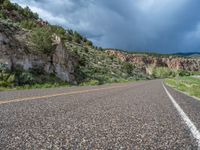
x=164, y=26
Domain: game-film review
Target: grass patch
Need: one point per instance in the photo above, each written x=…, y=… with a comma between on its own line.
x=189, y=85
x=35, y=86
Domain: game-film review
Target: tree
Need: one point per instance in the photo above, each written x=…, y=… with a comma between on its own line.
x=76, y=39
x=8, y=5
x=68, y=38
x=2, y=15
x=1, y=1
x=77, y=35
x=84, y=39
x=100, y=48
x=70, y=32
x=29, y=14
x=89, y=43
x=128, y=67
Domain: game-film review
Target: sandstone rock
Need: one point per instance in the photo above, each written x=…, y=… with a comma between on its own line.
x=176, y=63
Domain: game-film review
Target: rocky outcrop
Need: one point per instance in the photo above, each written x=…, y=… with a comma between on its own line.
x=15, y=53
x=176, y=63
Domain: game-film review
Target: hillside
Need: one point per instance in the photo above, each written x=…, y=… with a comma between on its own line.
x=35, y=52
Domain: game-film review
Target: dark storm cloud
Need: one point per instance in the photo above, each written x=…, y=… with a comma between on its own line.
x=165, y=26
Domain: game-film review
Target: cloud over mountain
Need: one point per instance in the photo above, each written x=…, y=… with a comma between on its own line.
x=165, y=26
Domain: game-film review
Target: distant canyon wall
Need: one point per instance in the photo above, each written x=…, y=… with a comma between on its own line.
x=176, y=63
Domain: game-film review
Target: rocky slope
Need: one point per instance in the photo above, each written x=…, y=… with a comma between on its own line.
x=31, y=48
x=16, y=53
x=176, y=63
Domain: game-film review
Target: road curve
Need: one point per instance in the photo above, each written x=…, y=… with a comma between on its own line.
x=119, y=116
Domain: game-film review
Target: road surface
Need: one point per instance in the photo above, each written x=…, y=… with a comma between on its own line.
x=134, y=116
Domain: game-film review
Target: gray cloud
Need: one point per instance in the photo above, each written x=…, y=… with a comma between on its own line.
x=165, y=26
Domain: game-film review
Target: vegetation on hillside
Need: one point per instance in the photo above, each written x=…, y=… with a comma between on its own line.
x=95, y=65
x=8, y=9
x=27, y=79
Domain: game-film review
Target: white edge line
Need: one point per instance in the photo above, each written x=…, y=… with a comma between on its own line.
x=186, y=119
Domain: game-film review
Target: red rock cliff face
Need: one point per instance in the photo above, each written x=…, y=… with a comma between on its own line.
x=176, y=63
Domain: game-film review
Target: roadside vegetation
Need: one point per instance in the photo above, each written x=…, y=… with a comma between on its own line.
x=190, y=85
x=164, y=72
x=20, y=79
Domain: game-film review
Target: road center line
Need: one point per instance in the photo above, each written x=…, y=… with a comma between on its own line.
x=60, y=94
x=186, y=119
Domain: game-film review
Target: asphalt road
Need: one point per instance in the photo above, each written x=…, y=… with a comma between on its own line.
x=119, y=116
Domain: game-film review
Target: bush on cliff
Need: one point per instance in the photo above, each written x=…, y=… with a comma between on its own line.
x=128, y=68
x=6, y=4
x=29, y=14
x=7, y=79
x=2, y=15
x=28, y=24
x=41, y=40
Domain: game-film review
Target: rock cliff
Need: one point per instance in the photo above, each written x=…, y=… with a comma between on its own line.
x=15, y=52
x=177, y=63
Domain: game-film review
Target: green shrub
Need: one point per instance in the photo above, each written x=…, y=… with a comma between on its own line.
x=41, y=39
x=77, y=37
x=162, y=72
x=71, y=32
x=4, y=84
x=68, y=38
x=7, y=79
x=25, y=78
x=8, y=5
x=29, y=14
x=89, y=43
x=184, y=73
x=100, y=48
x=2, y=15
x=90, y=83
x=128, y=68
x=11, y=78
x=86, y=49
x=28, y=24
x=3, y=67
x=1, y=1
